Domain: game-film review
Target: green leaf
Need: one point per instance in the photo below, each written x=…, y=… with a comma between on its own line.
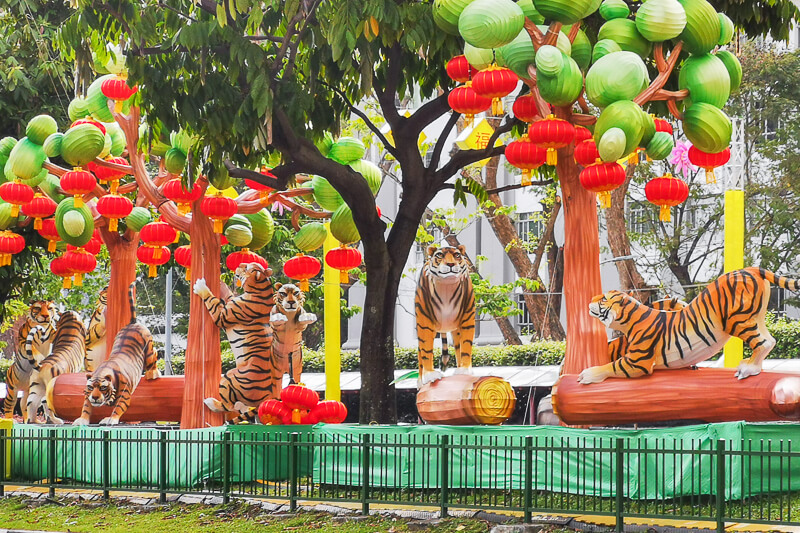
x=222, y=17
x=414, y=374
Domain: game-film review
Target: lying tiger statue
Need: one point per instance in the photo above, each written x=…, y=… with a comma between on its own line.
x=734, y=305
x=115, y=379
x=445, y=303
x=289, y=320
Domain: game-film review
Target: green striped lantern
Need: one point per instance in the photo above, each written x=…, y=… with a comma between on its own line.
x=479, y=58
x=614, y=9
x=565, y=11
x=625, y=115
x=625, y=34
x=490, y=23
x=517, y=54
x=529, y=10
x=660, y=146
x=707, y=127
x=702, y=31
x=604, y=47
x=726, y=29
x=559, y=78
x=707, y=79
x=446, y=13
x=660, y=20
x=582, y=50
x=731, y=63
x=616, y=76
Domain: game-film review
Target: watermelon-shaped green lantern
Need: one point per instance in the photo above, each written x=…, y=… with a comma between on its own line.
x=490, y=23
x=614, y=9
x=342, y=225
x=731, y=62
x=582, y=50
x=616, y=76
x=495, y=83
x=565, y=11
x=707, y=79
x=480, y=58
x=603, y=47
x=660, y=146
x=707, y=127
x=559, y=77
x=702, y=31
x=726, y=29
x=626, y=116
x=346, y=150
x=625, y=34
x=40, y=128
x=371, y=173
x=447, y=12
x=518, y=54
x=325, y=195
x=81, y=144
x=660, y=20
x=530, y=12
x=552, y=133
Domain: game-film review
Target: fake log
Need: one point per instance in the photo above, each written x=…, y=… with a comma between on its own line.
x=462, y=399
x=157, y=400
x=705, y=394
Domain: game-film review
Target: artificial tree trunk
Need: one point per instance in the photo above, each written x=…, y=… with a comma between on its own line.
x=122, y=253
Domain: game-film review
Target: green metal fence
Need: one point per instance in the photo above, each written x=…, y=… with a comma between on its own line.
x=619, y=474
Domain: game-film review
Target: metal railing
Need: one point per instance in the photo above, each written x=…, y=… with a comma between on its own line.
x=717, y=481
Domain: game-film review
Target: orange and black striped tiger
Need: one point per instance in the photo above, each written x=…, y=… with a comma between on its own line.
x=617, y=347
x=289, y=320
x=67, y=356
x=445, y=303
x=734, y=305
x=96, y=333
x=115, y=379
x=245, y=319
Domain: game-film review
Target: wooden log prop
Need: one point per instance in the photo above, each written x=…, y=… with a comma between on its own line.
x=156, y=400
x=705, y=394
x=463, y=399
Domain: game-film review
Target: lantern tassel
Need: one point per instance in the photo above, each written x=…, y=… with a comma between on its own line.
x=183, y=209
x=15, y=211
x=526, y=178
x=152, y=271
x=344, y=276
x=710, y=177
x=552, y=157
x=497, y=106
x=633, y=159
x=112, y=224
x=665, y=214
x=118, y=106
x=605, y=199
x=114, y=185
x=78, y=280
x=51, y=246
x=304, y=285
x=78, y=201
x=37, y=223
x=263, y=197
x=67, y=283
x=217, y=225
x=188, y=274
x=295, y=416
x=468, y=120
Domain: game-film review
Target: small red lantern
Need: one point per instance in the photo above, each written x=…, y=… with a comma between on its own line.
x=524, y=108
x=105, y=174
x=153, y=256
x=466, y=101
x=10, y=244
x=263, y=190
x=273, y=412
x=244, y=256
x=175, y=191
x=330, y=412
x=16, y=193
x=117, y=89
x=114, y=207
x=90, y=120
x=158, y=234
x=552, y=133
x=663, y=125
x=526, y=155
x=79, y=262
x=49, y=232
x=183, y=256
x=666, y=192
x=302, y=268
x=708, y=161
x=219, y=208
x=39, y=207
x=343, y=259
x=298, y=397
x=460, y=70
x=582, y=134
x=59, y=267
x=92, y=247
x=495, y=82
x=586, y=153
x=78, y=182
x=603, y=178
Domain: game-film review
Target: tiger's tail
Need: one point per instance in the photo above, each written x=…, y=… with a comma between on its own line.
x=132, y=301
x=787, y=283
x=445, y=351
x=248, y=417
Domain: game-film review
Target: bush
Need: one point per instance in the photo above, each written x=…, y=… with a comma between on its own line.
x=4, y=366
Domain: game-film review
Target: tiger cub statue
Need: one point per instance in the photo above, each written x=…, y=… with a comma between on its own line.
x=41, y=313
x=445, y=303
x=289, y=320
x=735, y=305
x=96, y=333
x=617, y=347
x=245, y=319
x=114, y=380
x=67, y=356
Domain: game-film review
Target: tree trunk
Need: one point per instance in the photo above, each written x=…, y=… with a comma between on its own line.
x=629, y=277
x=555, y=266
x=123, y=272
x=510, y=335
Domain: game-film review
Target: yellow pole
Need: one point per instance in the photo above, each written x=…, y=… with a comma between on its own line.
x=333, y=343
x=734, y=260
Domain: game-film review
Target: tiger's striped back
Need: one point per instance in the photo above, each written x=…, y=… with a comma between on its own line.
x=616, y=347
x=96, y=333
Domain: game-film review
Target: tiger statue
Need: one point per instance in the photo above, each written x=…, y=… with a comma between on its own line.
x=67, y=356
x=734, y=305
x=41, y=313
x=96, y=333
x=617, y=347
x=245, y=319
x=445, y=302
x=114, y=380
x=289, y=320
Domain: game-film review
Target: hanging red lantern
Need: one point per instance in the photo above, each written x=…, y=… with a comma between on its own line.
x=526, y=155
x=219, y=208
x=273, y=412
x=154, y=256
x=78, y=182
x=158, y=234
x=460, y=70
x=524, y=108
x=552, y=133
x=175, y=191
x=298, y=397
x=117, y=89
x=495, y=82
x=708, y=161
x=329, y=412
x=80, y=262
x=582, y=134
x=244, y=256
x=603, y=178
x=666, y=192
x=263, y=190
x=344, y=259
x=302, y=268
x=90, y=120
x=586, y=153
x=39, y=207
x=663, y=125
x=59, y=267
x=114, y=207
x=49, y=232
x=92, y=247
x=10, y=244
x=105, y=174
x=16, y=193
x=466, y=101
x=183, y=256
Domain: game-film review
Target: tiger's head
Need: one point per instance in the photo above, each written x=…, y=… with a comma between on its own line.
x=614, y=309
x=253, y=277
x=101, y=388
x=289, y=299
x=447, y=261
x=102, y=298
x=41, y=312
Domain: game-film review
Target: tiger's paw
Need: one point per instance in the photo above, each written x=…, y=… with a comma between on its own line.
x=81, y=422
x=201, y=289
x=152, y=374
x=55, y=420
x=429, y=377
x=109, y=421
x=746, y=370
x=278, y=317
x=467, y=370
x=241, y=407
x=594, y=374
x=307, y=318
x=214, y=405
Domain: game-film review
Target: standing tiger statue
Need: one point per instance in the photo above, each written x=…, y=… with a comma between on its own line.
x=115, y=379
x=96, y=333
x=289, y=320
x=618, y=346
x=41, y=313
x=445, y=303
x=246, y=321
x=735, y=305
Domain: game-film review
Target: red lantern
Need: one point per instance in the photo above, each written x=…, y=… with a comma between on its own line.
x=552, y=133
x=586, y=153
x=105, y=174
x=49, y=232
x=526, y=155
x=663, y=125
x=466, y=101
x=273, y=412
x=158, y=234
x=495, y=82
x=330, y=412
x=244, y=256
x=153, y=256
x=708, y=161
x=219, y=208
x=92, y=247
x=90, y=120
x=79, y=262
x=524, y=108
x=302, y=267
x=16, y=193
x=582, y=134
x=460, y=70
x=10, y=244
x=175, y=191
x=39, y=207
x=114, y=207
x=117, y=89
x=603, y=178
x=666, y=192
x=343, y=259
x=298, y=397
x=59, y=267
x=183, y=256
x=263, y=190
x=78, y=182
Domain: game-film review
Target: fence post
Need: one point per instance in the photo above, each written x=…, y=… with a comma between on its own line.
x=619, y=463
x=293, y=472
x=366, y=465
x=162, y=467
x=444, y=476
x=51, y=464
x=105, y=456
x=527, y=489
x=720, y=501
x=226, y=468
x=3, y=443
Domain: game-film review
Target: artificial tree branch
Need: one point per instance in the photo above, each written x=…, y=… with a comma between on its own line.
x=363, y=116
x=536, y=34
x=673, y=109
x=551, y=37
x=663, y=94
x=583, y=120
x=54, y=169
x=664, y=72
x=573, y=32
x=542, y=107
x=583, y=105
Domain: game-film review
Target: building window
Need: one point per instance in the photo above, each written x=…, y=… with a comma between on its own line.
x=777, y=301
x=640, y=219
x=524, y=323
x=530, y=226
